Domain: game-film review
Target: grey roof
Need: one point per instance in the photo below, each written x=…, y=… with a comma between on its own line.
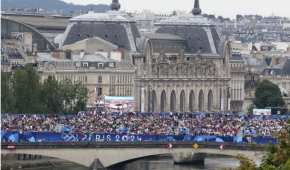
x=163, y=43
x=286, y=67
x=199, y=39
x=113, y=32
x=135, y=31
x=162, y=36
x=216, y=38
x=168, y=45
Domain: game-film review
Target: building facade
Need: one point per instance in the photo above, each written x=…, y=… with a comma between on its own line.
x=102, y=76
x=237, y=97
x=184, y=67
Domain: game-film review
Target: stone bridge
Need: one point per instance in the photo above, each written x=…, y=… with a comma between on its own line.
x=106, y=155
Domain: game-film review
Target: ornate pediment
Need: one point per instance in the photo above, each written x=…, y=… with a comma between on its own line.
x=198, y=67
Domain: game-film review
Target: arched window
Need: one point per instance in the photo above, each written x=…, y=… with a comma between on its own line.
x=152, y=101
x=201, y=101
x=182, y=101
x=173, y=101
x=210, y=101
x=191, y=101
x=163, y=101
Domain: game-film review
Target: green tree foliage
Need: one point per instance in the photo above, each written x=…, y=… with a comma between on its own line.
x=81, y=97
x=27, y=88
x=7, y=99
x=51, y=96
x=74, y=96
x=268, y=95
x=23, y=92
x=250, y=109
x=278, y=156
x=246, y=163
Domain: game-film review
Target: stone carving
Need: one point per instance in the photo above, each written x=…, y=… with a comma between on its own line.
x=196, y=67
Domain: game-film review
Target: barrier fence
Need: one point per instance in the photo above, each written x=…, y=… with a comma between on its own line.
x=42, y=137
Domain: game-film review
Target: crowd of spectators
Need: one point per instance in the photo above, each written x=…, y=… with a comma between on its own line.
x=147, y=123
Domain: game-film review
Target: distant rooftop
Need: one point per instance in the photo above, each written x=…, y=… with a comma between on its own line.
x=110, y=16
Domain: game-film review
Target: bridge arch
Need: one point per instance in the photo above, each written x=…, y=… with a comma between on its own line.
x=112, y=156
x=8, y=26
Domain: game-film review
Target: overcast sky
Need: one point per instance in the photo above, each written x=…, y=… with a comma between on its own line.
x=227, y=8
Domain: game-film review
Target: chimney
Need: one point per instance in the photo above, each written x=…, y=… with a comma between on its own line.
x=82, y=54
x=68, y=54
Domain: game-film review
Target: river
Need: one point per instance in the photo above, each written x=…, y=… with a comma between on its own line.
x=166, y=163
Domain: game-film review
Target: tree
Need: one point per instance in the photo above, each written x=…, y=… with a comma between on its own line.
x=23, y=92
x=26, y=88
x=74, y=96
x=81, y=97
x=68, y=95
x=246, y=163
x=7, y=98
x=51, y=96
x=268, y=95
x=278, y=156
x=250, y=109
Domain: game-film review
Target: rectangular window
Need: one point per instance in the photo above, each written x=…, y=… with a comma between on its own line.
x=100, y=65
x=85, y=64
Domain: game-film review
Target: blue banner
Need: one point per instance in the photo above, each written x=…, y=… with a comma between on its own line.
x=32, y=137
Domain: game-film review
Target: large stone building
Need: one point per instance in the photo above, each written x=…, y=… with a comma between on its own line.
x=96, y=49
x=184, y=66
x=238, y=71
x=101, y=74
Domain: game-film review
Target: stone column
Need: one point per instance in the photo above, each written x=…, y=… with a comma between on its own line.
x=197, y=90
x=205, y=93
x=167, y=102
x=137, y=95
x=158, y=97
x=142, y=99
x=177, y=104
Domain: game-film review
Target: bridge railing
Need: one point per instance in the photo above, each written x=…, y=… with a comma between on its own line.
x=77, y=145
x=49, y=137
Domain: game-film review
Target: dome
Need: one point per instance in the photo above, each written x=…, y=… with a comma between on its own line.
x=113, y=26
x=200, y=35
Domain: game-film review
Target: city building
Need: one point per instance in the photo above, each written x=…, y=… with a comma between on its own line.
x=96, y=50
x=183, y=66
x=238, y=71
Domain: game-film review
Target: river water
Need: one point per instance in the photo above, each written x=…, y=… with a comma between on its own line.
x=166, y=163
